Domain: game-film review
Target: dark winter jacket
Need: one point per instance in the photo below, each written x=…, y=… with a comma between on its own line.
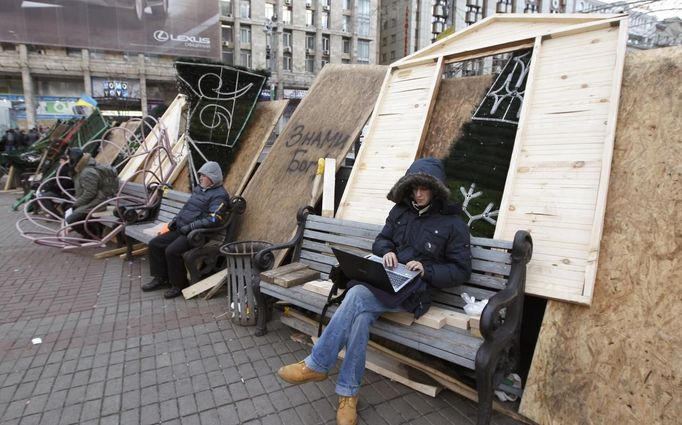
x=206, y=207
x=94, y=184
x=437, y=238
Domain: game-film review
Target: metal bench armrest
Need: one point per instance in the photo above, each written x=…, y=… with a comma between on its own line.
x=199, y=237
x=264, y=259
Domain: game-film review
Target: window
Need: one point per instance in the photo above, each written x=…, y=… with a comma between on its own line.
x=310, y=41
x=323, y=62
x=383, y=58
x=228, y=57
x=245, y=9
x=310, y=63
x=76, y=53
x=392, y=38
x=269, y=10
x=308, y=3
x=309, y=17
x=324, y=20
x=364, y=7
x=226, y=31
x=345, y=23
x=286, y=15
x=286, y=62
x=363, y=25
x=384, y=41
x=346, y=45
x=325, y=43
x=245, y=34
x=363, y=51
x=286, y=38
x=346, y=4
x=392, y=55
x=245, y=58
x=226, y=8
x=385, y=24
x=394, y=23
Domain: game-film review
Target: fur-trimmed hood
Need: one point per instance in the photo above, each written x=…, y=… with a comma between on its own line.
x=427, y=172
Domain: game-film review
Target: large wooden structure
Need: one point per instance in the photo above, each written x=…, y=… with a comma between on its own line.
x=559, y=170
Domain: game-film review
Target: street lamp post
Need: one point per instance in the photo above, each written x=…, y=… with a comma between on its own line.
x=271, y=50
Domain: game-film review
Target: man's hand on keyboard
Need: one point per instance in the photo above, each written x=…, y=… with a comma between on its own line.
x=416, y=266
x=390, y=259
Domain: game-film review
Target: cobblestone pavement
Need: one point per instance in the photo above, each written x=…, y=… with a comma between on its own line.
x=111, y=354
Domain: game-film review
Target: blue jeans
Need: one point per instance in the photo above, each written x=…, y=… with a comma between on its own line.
x=348, y=328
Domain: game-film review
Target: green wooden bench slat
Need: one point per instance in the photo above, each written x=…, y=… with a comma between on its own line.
x=337, y=239
x=346, y=231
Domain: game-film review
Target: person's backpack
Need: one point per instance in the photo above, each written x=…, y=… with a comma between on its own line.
x=339, y=281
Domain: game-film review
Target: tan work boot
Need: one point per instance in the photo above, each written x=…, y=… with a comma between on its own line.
x=299, y=373
x=348, y=411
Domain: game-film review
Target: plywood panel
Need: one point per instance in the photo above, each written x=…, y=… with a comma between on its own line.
x=618, y=361
x=252, y=142
x=386, y=151
x=456, y=102
x=575, y=177
x=325, y=124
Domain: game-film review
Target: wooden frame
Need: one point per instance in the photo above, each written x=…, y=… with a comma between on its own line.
x=566, y=261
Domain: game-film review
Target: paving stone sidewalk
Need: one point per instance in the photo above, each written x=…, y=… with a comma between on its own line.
x=111, y=354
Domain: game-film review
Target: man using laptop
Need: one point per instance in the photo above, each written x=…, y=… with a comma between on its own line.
x=424, y=232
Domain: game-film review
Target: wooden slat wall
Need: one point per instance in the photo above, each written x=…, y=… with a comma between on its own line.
x=559, y=158
x=392, y=141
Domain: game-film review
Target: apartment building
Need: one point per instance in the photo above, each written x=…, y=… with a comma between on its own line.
x=294, y=39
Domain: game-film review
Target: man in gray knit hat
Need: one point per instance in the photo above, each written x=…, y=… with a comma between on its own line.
x=206, y=208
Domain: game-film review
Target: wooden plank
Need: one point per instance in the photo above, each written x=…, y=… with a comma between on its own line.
x=252, y=141
x=136, y=253
x=10, y=178
x=296, y=278
x=116, y=251
x=588, y=185
x=321, y=287
x=402, y=146
x=402, y=317
x=328, y=187
x=325, y=124
x=270, y=275
x=628, y=342
x=170, y=120
x=204, y=285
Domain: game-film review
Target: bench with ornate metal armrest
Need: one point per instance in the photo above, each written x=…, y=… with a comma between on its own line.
x=499, y=274
x=204, y=257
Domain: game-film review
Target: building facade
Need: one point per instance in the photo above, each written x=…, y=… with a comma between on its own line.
x=294, y=39
x=410, y=25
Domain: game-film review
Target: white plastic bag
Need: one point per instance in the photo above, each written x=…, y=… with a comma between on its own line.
x=473, y=307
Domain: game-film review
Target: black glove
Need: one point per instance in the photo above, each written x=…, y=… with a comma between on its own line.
x=185, y=229
x=172, y=225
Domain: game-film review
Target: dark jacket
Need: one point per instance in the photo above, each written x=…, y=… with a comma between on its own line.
x=205, y=208
x=94, y=184
x=437, y=238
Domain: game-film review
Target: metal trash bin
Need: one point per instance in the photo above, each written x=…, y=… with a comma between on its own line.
x=241, y=276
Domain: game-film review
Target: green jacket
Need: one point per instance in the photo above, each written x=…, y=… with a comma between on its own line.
x=94, y=184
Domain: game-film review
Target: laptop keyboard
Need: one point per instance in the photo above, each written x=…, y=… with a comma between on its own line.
x=396, y=279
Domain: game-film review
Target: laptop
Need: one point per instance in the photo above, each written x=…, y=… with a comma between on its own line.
x=371, y=270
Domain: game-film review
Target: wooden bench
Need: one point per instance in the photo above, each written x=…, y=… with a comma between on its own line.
x=204, y=257
x=499, y=270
